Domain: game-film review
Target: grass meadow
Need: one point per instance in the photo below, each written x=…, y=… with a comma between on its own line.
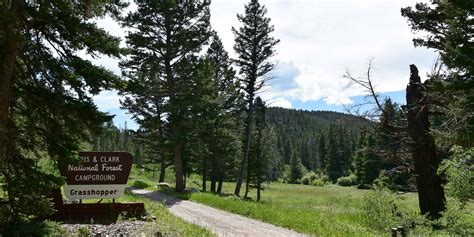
x=322, y=211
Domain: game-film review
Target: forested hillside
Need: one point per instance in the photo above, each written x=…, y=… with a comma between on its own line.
x=305, y=134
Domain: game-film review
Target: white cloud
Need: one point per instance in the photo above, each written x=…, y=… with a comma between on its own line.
x=279, y=102
x=324, y=38
x=320, y=40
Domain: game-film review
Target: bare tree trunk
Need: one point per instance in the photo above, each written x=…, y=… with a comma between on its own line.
x=248, y=130
x=214, y=174
x=430, y=190
x=162, y=166
x=204, y=174
x=247, y=180
x=219, y=185
x=213, y=184
x=177, y=153
x=258, y=182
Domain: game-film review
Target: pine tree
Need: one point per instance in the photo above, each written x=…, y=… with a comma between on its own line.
x=46, y=109
x=254, y=46
x=368, y=163
x=162, y=66
x=219, y=116
x=296, y=168
x=322, y=152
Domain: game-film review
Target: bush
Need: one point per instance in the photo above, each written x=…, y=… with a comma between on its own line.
x=385, y=182
x=318, y=182
x=455, y=221
x=347, y=180
x=308, y=178
x=325, y=179
x=459, y=170
x=140, y=184
x=34, y=228
x=380, y=209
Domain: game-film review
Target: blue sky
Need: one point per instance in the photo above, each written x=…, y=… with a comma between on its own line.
x=320, y=41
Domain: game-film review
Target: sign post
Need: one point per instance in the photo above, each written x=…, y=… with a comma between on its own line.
x=98, y=175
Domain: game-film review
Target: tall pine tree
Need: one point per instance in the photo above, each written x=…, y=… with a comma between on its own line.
x=254, y=46
x=162, y=66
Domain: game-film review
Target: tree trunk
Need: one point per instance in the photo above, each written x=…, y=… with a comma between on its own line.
x=204, y=174
x=214, y=172
x=430, y=190
x=248, y=127
x=213, y=184
x=219, y=185
x=247, y=179
x=178, y=162
x=162, y=166
x=7, y=68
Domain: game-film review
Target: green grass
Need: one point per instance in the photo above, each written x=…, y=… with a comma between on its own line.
x=314, y=210
x=327, y=211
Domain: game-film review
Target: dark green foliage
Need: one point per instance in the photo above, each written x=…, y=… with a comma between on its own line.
x=166, y=76
x=219, y=111
x=257, y=164
x=46, y=109
x=367, y=162
x=338, y=155
x=297, y=169
x=271, y=155
x=307, y=131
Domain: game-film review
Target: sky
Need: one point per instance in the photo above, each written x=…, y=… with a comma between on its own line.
x=320, y=41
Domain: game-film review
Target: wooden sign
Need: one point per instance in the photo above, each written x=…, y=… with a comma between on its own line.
x=99, y=175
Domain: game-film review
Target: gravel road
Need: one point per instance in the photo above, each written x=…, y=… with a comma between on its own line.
x=219, y=222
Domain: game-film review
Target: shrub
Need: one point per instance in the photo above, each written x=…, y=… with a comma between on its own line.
x=325, y=179
x=384, y=181
x=34, y=228
x=83, y=231
x=380, y=209
x=453, y=219
x=308, y=178
x=347, y=180
x=318, y=182
x=459, y=170
x=140, y=184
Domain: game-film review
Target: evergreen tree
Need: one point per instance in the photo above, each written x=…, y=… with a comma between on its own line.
x=322, y=152
x=296, y=168
x=219, y=116
x=368, y=163
x=338, y=156
x=270, y=155
x=163, y=67
x=254, y=46
x=46, y=109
